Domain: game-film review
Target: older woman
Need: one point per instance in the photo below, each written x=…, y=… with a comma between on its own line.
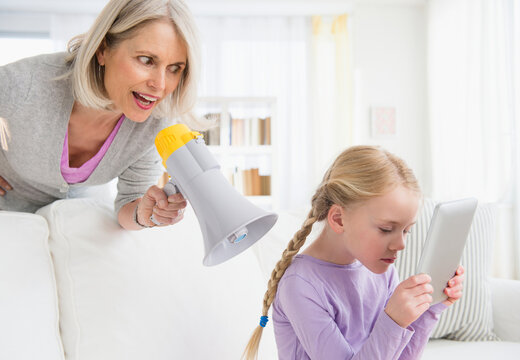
x=84, y=118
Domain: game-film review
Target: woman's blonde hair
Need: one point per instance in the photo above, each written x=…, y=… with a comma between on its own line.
x=118, y=21
x=357, y=174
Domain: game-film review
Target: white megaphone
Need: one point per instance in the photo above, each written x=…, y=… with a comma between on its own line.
x=229, y=222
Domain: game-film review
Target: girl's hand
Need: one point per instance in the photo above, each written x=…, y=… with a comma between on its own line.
x=4, y=186
x=410, y=299
x=454, y=288
x=165, y=210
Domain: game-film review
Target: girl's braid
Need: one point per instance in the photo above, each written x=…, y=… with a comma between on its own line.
x=292, y=249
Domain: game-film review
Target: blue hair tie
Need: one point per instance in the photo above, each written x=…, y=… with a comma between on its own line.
x=263, y=321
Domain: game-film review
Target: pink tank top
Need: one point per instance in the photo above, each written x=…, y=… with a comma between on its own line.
x=77, y=175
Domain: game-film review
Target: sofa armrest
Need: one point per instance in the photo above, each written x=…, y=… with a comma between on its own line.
x=506, y=312
x=28, y=295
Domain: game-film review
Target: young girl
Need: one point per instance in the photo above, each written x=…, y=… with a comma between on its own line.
x=341, y=298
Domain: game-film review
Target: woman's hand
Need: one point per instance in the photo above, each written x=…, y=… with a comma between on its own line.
x=454, y=288
x=410, y=299
x=166, y=210
x=4, y=186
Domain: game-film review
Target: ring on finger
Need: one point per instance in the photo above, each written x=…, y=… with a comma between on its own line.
x=154, y=220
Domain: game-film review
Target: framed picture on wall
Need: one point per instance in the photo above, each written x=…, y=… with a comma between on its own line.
x=383, y=121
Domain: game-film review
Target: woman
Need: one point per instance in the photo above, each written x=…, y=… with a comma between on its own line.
x=81, y=119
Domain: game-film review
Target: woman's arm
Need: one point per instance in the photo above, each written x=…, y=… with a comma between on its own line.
x=137, y=199
x=11, y=93
x=127, y=218
x=137, y=214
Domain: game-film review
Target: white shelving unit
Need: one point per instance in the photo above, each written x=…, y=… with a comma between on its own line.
x=242, y=141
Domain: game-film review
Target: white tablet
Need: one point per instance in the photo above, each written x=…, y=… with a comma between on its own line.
x=442, y=251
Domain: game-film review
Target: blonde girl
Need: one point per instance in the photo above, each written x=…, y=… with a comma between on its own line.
x=341, y=298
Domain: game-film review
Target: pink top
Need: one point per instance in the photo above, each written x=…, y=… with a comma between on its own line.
x=77, y=175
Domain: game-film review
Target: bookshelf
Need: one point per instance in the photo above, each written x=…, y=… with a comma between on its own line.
x=240, y=137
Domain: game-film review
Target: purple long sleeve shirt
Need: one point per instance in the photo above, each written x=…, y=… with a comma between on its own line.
x=328, y=311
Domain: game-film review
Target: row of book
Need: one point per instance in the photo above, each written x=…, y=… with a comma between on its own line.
x=249, y=182
x=238, y=131
x=250, y=131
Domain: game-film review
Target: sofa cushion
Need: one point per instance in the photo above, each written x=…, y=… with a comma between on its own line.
x=506, y=313
x=475, y=350
x=145, y=294
x=28, y=301
x=471, y=317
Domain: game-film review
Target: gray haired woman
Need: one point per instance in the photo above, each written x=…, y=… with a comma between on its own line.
x=85, y=117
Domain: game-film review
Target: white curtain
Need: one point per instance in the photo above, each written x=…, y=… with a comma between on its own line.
x=513, y=25
x=266, y=57
x=474, y=108
x=331, y=90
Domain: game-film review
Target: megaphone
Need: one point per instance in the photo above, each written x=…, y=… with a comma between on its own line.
x=229, y=222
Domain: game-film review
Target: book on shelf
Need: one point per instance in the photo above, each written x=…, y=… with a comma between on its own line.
x=255, y=182
x=250, y=183
x=265, y=184
x=267, y=134
x=237, y=132
x=250, y=131
x=242, y=131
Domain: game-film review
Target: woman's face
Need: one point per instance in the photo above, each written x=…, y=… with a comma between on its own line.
x=375, y=230
x=141, y=71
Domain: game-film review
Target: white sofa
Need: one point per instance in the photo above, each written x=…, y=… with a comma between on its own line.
x=75, y=286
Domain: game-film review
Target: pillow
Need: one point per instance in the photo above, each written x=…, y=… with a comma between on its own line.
x=28, y=301
x=145, y=294
x=471, y=317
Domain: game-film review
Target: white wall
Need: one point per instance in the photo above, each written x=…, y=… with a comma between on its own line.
x=389, y=52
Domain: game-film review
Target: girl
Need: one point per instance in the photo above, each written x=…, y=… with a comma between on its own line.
x=341, y=298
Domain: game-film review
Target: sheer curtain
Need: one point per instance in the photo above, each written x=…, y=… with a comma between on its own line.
x=473, y=109
x=513, y=40
x=331, y=90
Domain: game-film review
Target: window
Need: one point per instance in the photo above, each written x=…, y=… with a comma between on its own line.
x=17, y=46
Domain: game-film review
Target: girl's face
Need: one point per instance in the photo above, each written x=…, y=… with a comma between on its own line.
x=141, y=71
x=375, y=230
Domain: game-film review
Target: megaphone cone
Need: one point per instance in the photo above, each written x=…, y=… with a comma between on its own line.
x=229, y=222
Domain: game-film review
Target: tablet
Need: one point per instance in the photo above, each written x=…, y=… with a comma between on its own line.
x=445, y=241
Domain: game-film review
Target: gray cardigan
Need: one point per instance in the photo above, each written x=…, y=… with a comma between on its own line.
x=37, y=109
